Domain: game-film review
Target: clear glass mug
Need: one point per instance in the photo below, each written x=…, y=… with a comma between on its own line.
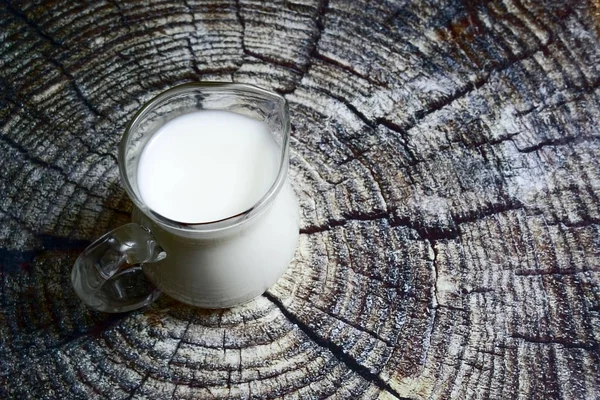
x=217, y=264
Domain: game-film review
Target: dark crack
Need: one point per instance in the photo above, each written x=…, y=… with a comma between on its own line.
x=47, y=166
x=242, y=22
x=278, y=62
x=180, y=342
x=26, y=155
x=562, y=141
x=31, y=111
x=435, y=272
x=334, y=223
x=589, y=346
x=72, y=81
x=427, y=232
x=188, y=40
x=142, y=382
x=493, y=209
x=355, y=326
x=313, y=49
x=299, y=70
x=349, y=69
x=92, y=333
x=336, y=350
x=554, y=271
x=124, y=20
x=38, y=29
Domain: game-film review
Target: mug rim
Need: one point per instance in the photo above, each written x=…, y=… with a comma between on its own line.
x=224, y=223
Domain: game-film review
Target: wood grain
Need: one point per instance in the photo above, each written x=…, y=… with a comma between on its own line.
x=446, y=158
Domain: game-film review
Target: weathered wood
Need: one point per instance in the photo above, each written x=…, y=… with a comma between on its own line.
x=446, y=157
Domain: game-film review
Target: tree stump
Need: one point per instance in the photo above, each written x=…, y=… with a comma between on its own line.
x=446, y=158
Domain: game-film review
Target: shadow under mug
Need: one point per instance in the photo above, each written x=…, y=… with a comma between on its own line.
x=216, y=264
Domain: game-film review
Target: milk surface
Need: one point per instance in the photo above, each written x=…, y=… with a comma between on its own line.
x=207, y=165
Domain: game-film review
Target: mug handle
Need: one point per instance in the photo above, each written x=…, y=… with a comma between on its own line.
x=108, y=275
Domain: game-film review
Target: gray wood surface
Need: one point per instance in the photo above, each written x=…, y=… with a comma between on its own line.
x=446, y=157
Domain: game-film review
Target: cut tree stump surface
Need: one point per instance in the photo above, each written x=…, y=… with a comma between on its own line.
x=446, y=156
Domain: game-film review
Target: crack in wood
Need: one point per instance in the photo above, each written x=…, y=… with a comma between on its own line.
x=38, y=29
x=584, y=223
x=313, y=48
x=46, y=165
x=588, y=346
x=320, y=24
x=347, y=68
x=188, y=40
x=578, y=96
x=242, y=22
x=138, y=387
x=70, y=78
x=19, y=103
x=122, y=17
x=78, y=92
x=334, y=223
x=93, y=333
x=271, y=60
x=356, y=156
x=336, y=350
x=562, y=141
x=432, y=233
x=267, y=59
x=28, y=226
x=35, y=160
x=554, y=271
x=434, y=287
x=181, y=340
x=354, y=325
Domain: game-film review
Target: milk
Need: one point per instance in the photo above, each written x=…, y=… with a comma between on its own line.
x=207, y=165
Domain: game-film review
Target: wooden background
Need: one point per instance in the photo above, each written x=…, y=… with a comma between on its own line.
x=446, y=157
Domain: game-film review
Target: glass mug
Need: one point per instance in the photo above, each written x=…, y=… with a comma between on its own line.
x=216, y=264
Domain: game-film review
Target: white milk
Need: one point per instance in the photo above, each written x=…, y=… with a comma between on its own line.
x=202, y=167
x=207, y=165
